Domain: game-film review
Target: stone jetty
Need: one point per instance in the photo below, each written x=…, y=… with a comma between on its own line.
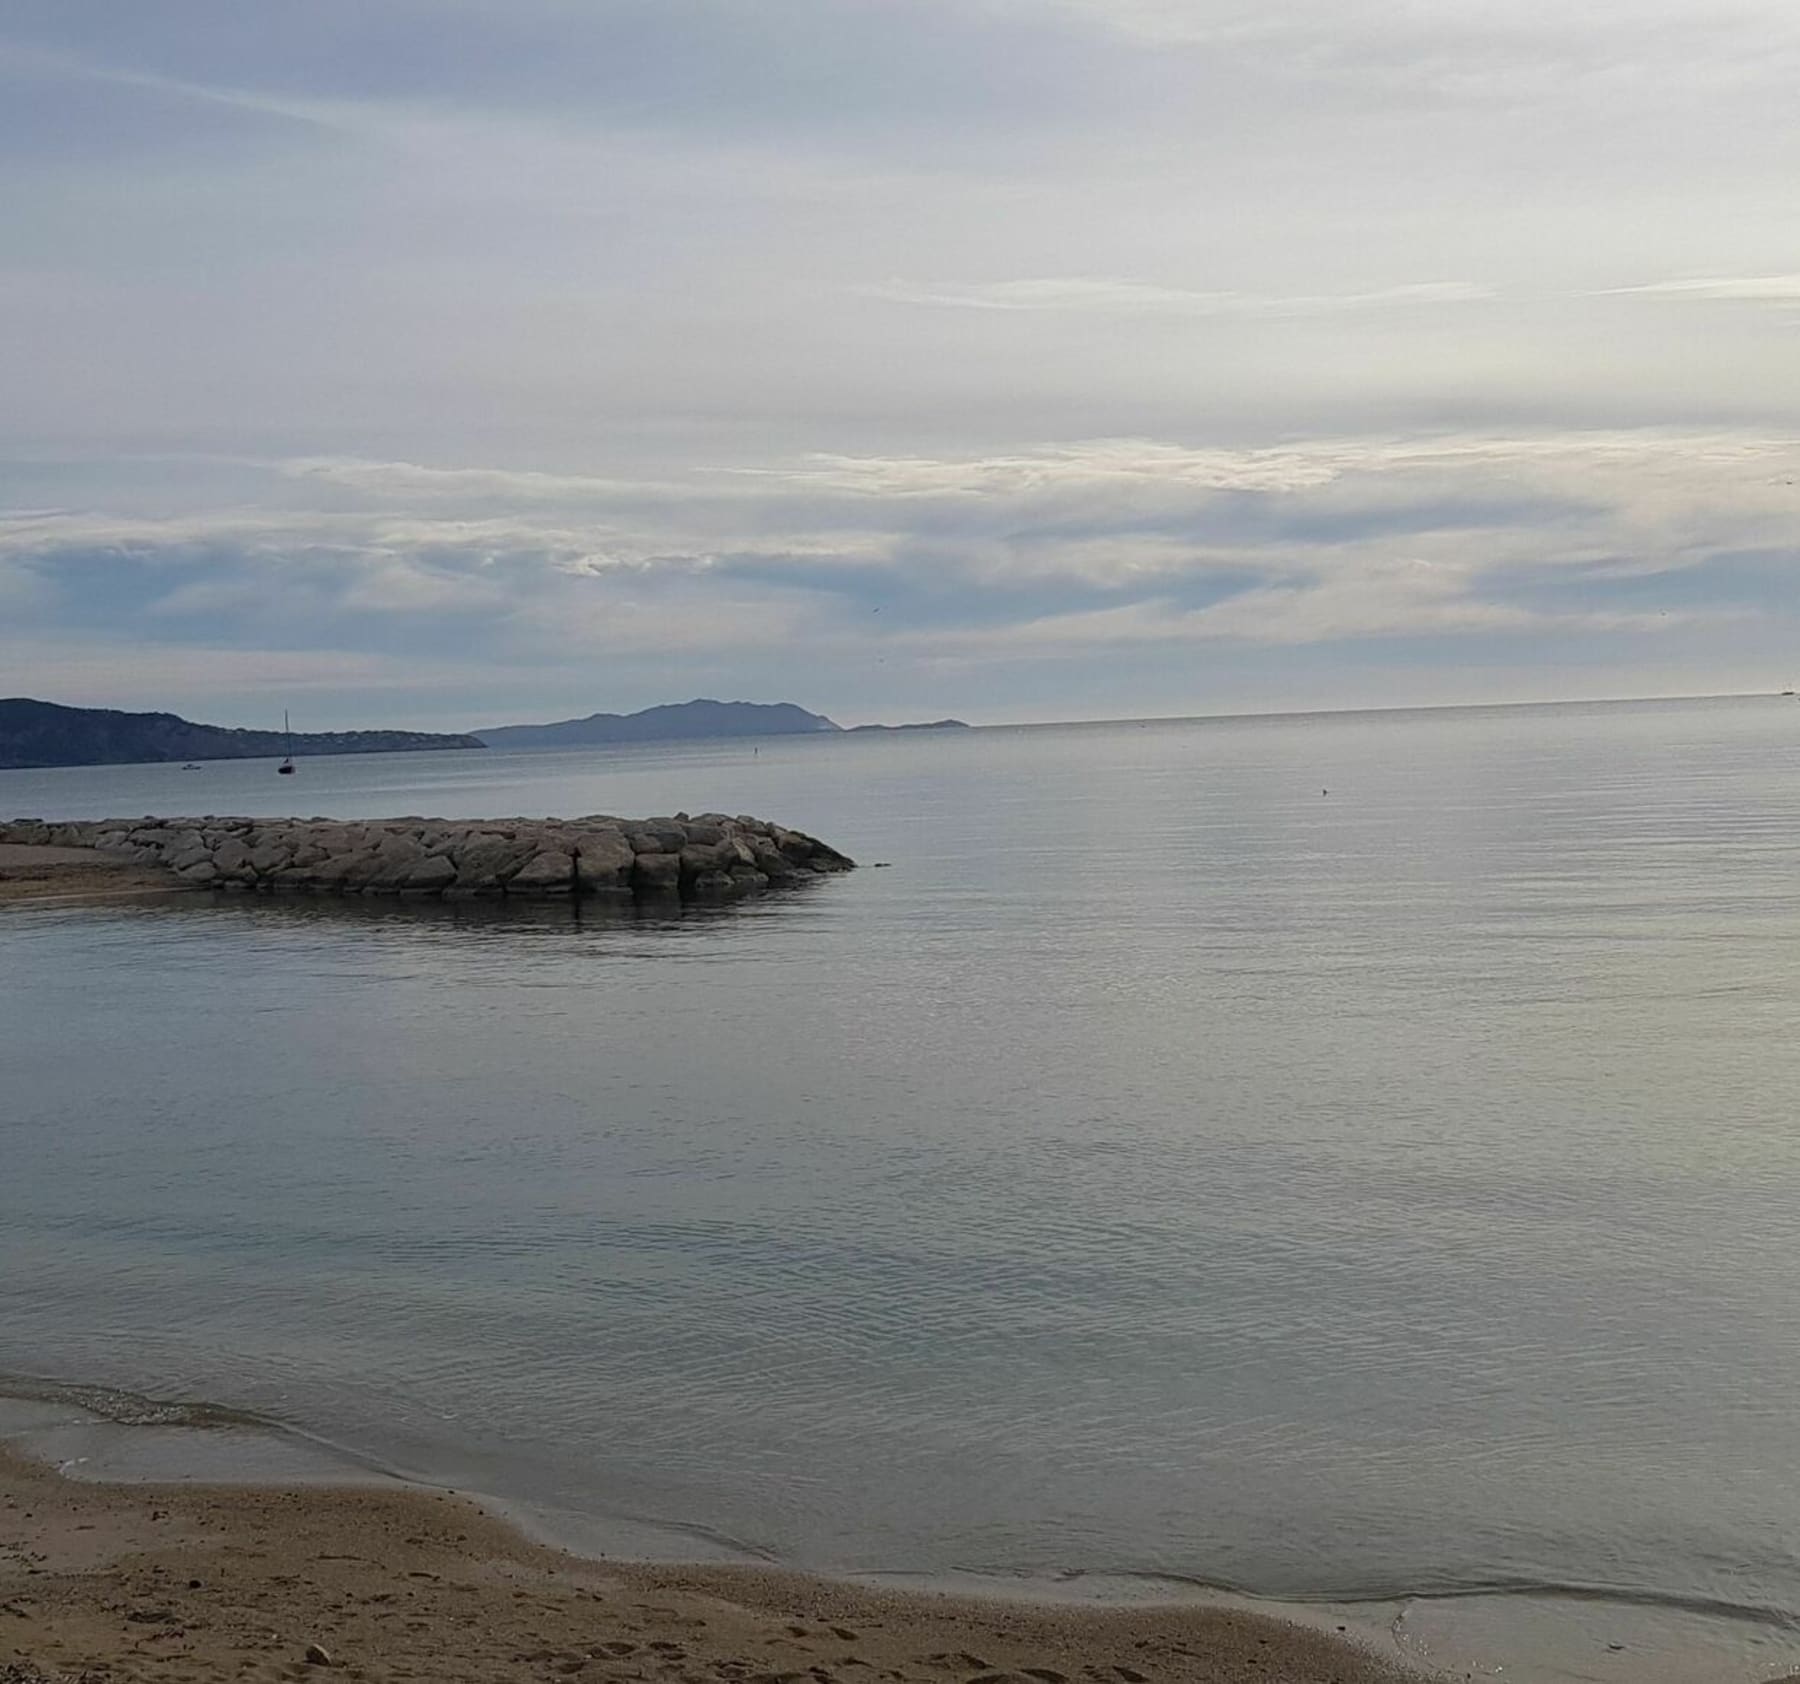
x=711, y=857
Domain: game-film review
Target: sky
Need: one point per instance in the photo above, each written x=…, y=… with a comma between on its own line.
x=460, y=362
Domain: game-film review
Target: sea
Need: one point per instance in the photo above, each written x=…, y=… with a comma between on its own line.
x=1350, y=1159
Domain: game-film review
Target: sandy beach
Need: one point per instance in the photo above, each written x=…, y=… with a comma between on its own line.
x=188, y=1582
x=39, y=875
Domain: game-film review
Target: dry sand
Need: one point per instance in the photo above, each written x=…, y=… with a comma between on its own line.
x=112, y=1583
x=48, y=876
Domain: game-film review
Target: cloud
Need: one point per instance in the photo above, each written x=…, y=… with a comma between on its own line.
x=1661, y=463
x=1385, y=598
x=574, y=347
x=1747, y=289
x=1475, y=48
x=412, y=480
x=1374, y=597
x=132, y=673
x=1325, y=537
x=1099, y=296
x=1089, y=464
x=674, y=619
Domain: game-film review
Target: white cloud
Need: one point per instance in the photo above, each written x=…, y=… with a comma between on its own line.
x=554, y=336
x=1089, y=464
x=1747, y=289
x=1511, y=46
x=412, y=480
x=132, y=674
x=1661, y=462
x=1408, y=597
x=1062, y=553
x=619, y=619
x=1102, y=296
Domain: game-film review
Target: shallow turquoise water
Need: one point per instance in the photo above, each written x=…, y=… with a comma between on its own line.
x=1164, y=1168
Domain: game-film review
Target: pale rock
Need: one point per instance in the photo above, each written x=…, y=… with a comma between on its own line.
x=656, y=874
x=490, y=857
x=270, y=856
x=698, y=858
x=603, y=860
x=231, y=856
x=712, y=857
x=548, y=873
x=435, y=871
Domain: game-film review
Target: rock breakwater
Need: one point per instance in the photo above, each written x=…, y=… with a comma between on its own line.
x=711, y=857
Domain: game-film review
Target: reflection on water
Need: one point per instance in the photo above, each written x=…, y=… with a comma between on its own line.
x=1166, y=1168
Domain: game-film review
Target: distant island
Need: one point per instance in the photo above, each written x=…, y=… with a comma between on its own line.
x=42, y=734
x=673, y=722
x=694, y=721
x=922, y=725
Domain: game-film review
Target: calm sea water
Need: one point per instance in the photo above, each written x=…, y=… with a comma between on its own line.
x=1165, y=1167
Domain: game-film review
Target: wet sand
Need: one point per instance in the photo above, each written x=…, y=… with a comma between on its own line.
x=114, y=1583
x=48, y=876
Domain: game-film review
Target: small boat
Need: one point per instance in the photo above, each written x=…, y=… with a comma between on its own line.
x=286, y=768
x=191, y=766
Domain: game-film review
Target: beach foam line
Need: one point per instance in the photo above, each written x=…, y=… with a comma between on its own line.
x=1528, y=1631
x=131, y=1409
x=211, y=1581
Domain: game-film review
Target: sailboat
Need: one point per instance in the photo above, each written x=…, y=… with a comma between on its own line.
x=286, y=768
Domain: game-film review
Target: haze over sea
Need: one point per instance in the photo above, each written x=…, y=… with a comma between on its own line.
x=1166, y=1168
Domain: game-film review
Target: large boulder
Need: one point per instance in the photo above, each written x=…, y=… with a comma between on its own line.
x=770, y=860
x=603, y=861
x=347, y=871
x=489, y=858
x=434, y=871
x=272, y=853
x=699, y=858
x=656, y=836
x=189, y=848
x=233, y=858
x=551, y=872
x=656, y=874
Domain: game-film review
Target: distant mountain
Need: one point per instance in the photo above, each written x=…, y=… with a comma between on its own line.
x=673, y=722
x=46, y=734
x=923, y=725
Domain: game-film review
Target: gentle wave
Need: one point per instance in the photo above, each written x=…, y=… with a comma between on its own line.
x=131, y=1409
x=119, y=1407
x=1163, y=1166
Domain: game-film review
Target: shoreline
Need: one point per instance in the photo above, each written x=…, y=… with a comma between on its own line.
x=106, y=1496
x=196, y=1581
x=55, y=876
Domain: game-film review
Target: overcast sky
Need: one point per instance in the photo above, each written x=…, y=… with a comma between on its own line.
x=453, y=362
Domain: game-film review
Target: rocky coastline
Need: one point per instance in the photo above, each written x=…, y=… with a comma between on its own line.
x=711, y=857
